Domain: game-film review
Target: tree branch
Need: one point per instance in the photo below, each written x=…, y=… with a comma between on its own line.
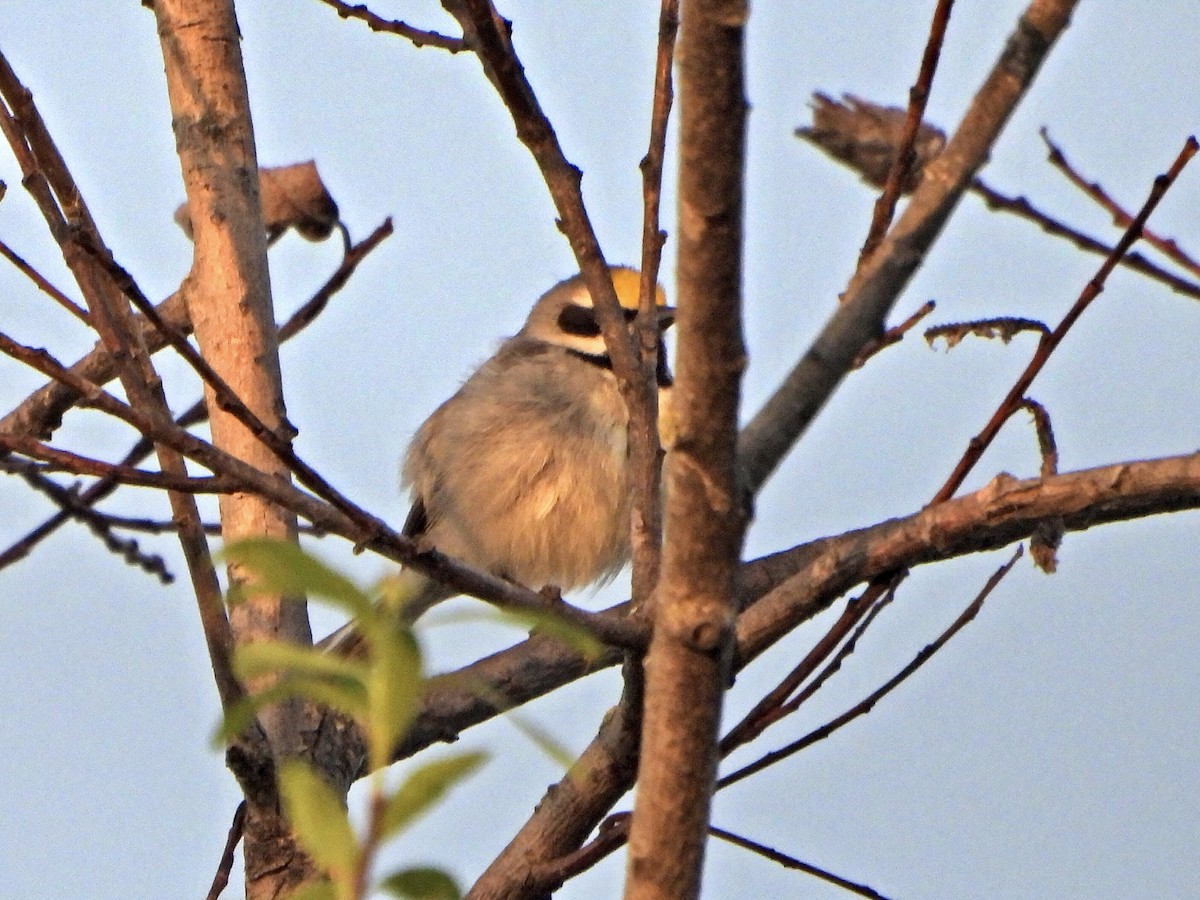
x=687, y=666
x=785, y=589
x=882, y=277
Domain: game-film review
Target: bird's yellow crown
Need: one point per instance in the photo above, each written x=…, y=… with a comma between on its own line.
x=627, y=283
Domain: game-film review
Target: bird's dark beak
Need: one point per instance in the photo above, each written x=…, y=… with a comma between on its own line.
x=666, y=317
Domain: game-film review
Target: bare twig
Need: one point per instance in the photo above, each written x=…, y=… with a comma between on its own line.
x=766, y=710
x=66, y=461
x=876, y=285
x=756, y=726
x=221, y=878
x=895, y=334
x=868, y=703
x=646, y=466
x=72, y=507
x=1121, y=218
x=1020, y=206
x=790, y=862
x=48, y=179
x=176, y=317
x=418, y=36
x=227, y=399
x=1046, y=347
x=918, y=96
x=44, y=284
x=865, y=137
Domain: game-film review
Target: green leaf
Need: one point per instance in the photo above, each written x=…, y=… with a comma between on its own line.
x=348, y=697
x=395, y=686
x=282, y=567
x=421, y=884
x=542, y=739
x=577, y=639
x=267, y=657
x=425, y=787
x=319, y=818
x=316, y=890
x=548, y=623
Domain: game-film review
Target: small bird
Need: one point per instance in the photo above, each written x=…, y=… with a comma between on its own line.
x=524, y=471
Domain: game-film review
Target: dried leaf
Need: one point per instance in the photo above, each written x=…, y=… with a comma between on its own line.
x=292, y=197
x=865, y=136
x=1047, y=446
x=1044, y=543
x=1004, y=327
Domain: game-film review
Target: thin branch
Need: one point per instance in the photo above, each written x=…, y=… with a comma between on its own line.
x=895, y=334
x=1049, y=534
x=753, y=725
x=864, y=136
x=918, y=96
x=175, y=315
x=868, y=703
x=1021, y=207
x=221, y=877
x=227, y=399
x=44, y=285
x=790, y=862
x=1121, y=218
x=646, y=466
x=1046, y=347
x=612, y=834
x=766, y=710
x=877, y=284
x=418, y=36
x=353, y=256
x=48, y=179
x=66, y=461
x=71, y=507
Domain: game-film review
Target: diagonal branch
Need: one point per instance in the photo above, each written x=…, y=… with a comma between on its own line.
x=868, y=703
x=1121, y=218
x=48, y=180
x=901, y=168
x=32, y=415
x=879, y=282
x=1012, y=402
x=419, y=37
x=788, y=588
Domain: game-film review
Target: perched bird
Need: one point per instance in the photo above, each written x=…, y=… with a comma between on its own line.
x=524, y=471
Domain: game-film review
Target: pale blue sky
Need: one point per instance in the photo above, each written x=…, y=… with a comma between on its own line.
x=1049, y=751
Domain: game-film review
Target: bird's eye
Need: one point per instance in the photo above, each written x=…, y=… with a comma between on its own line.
x=579, y=321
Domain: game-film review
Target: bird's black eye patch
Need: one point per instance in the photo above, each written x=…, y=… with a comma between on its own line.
x=578, y=320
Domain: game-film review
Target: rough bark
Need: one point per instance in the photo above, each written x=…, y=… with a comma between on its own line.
x=228, y=295
x=687, y=666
